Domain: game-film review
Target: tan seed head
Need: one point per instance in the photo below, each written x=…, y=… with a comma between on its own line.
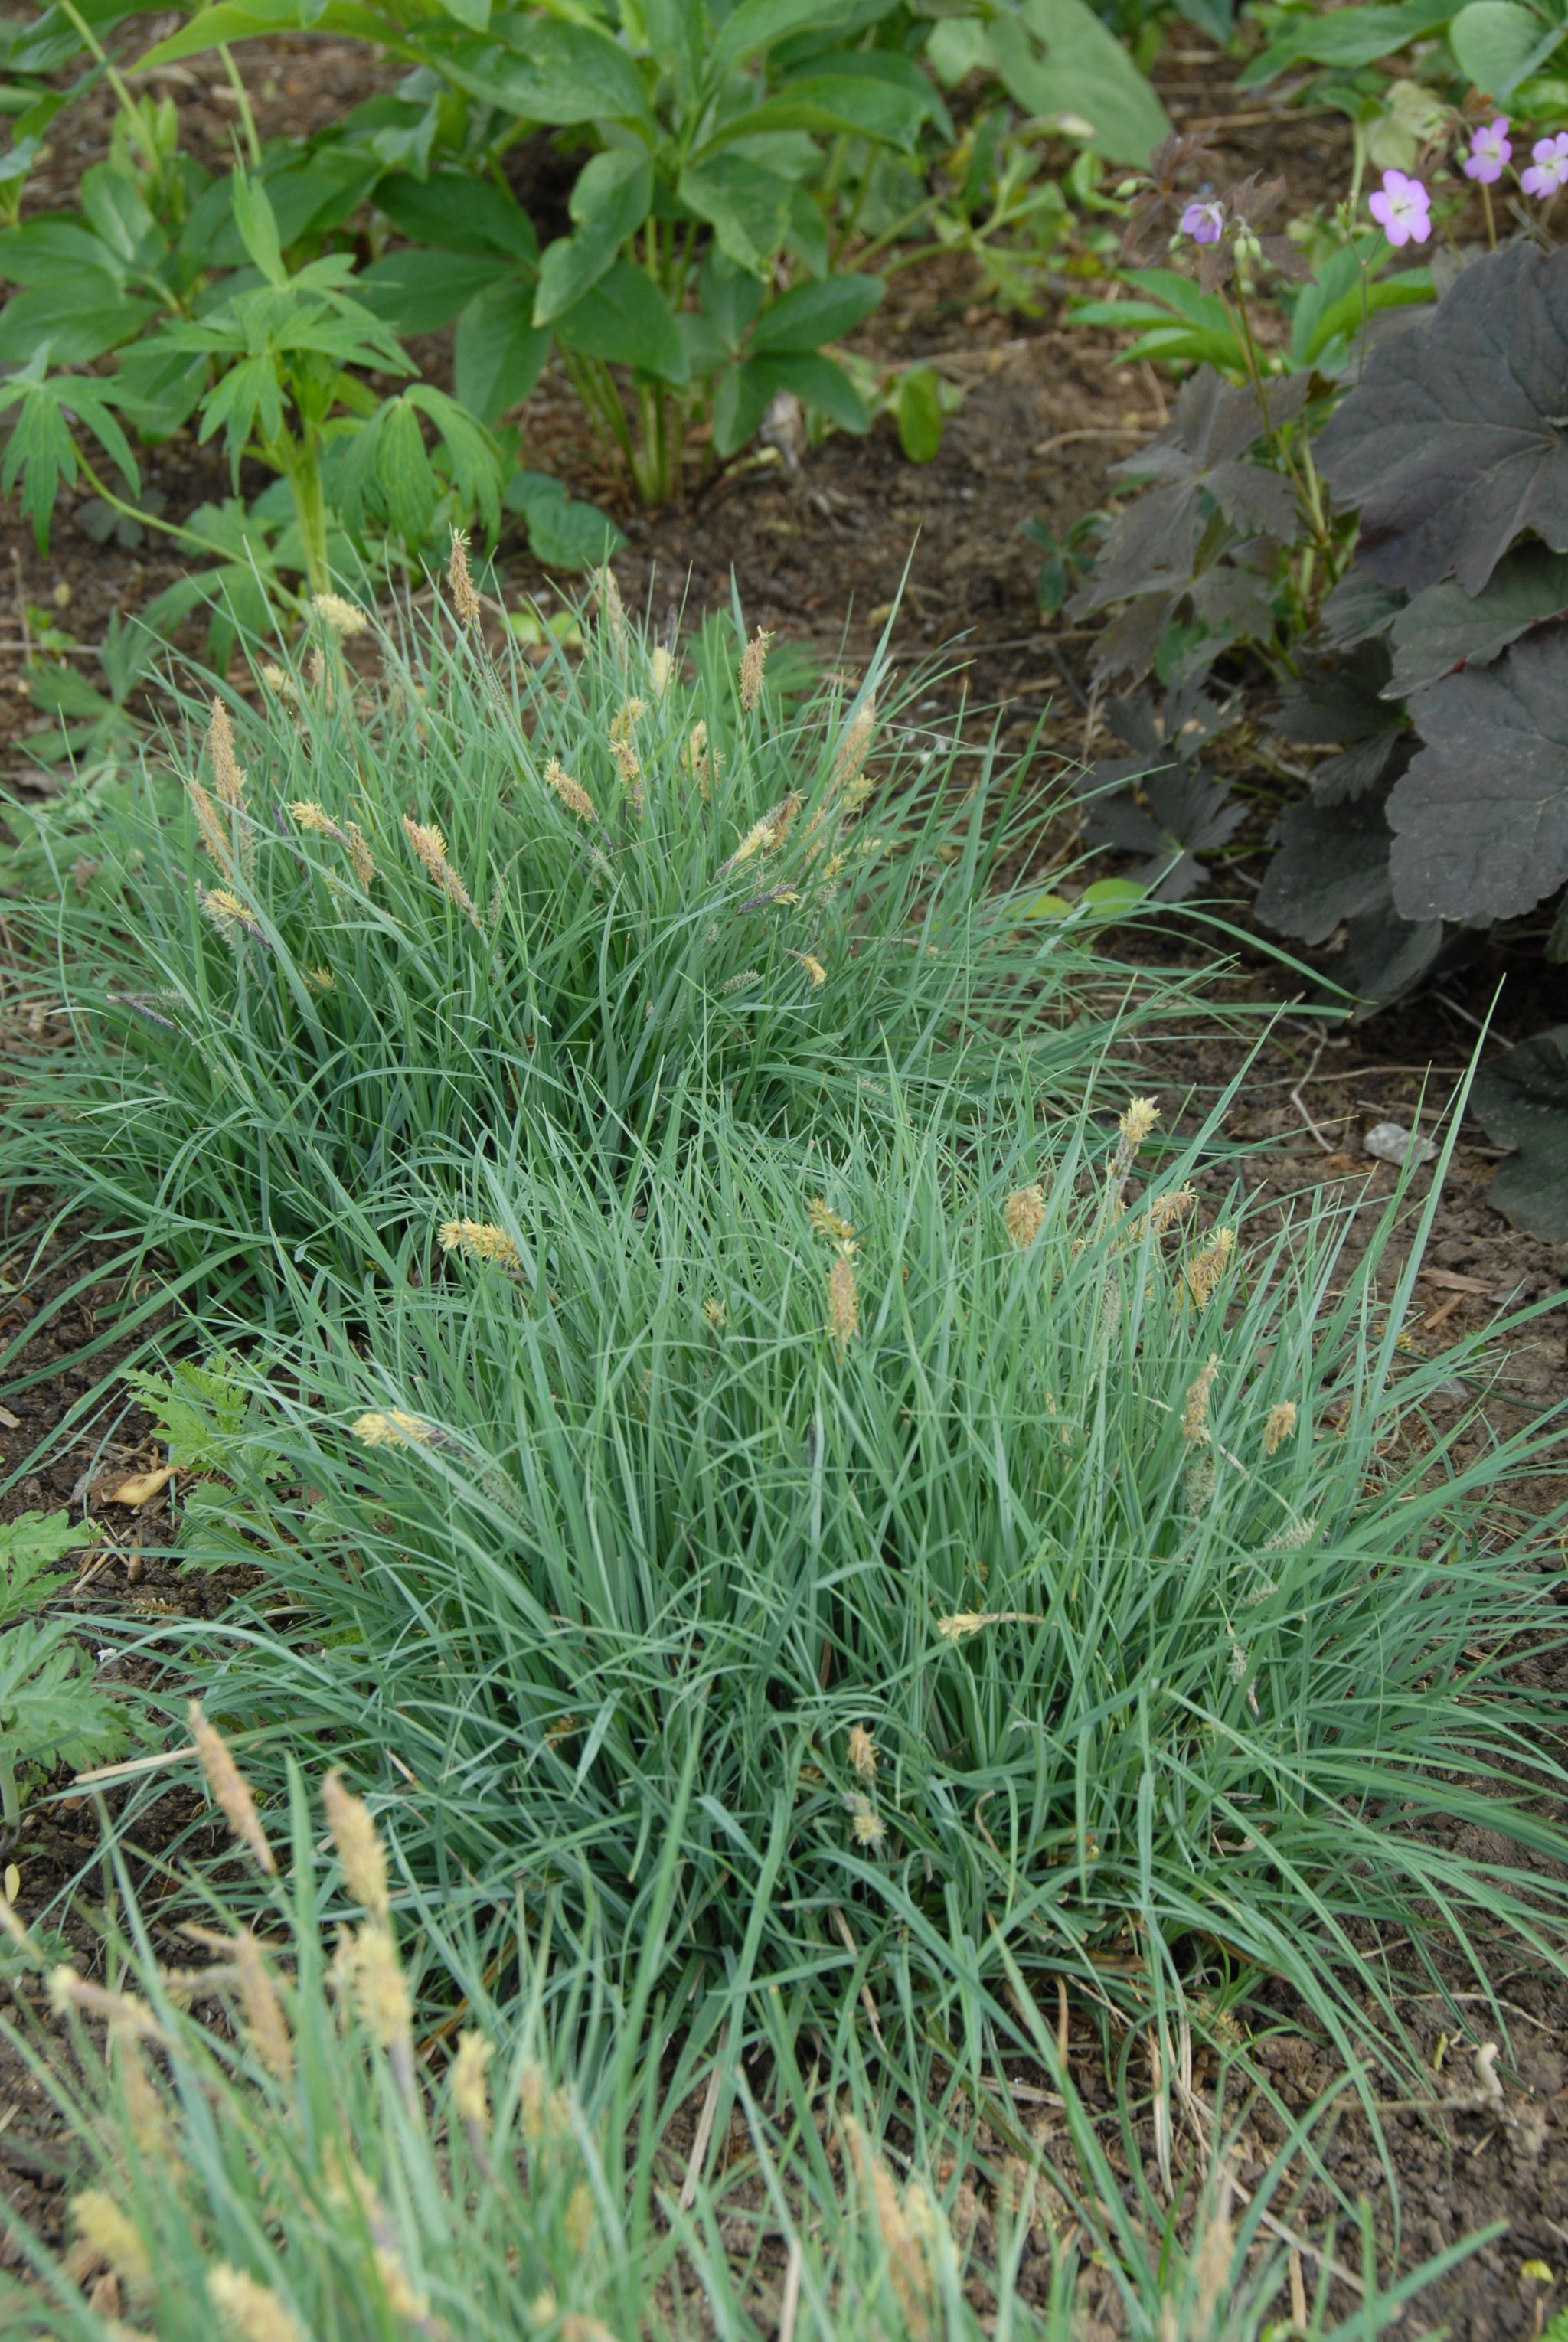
x=253, y=2311
x=753, y=660
x=230, y=1787
x=359, y=1845
x=1023, y=1215
x=465, y=594
x=1278, y=1425
x=843, y=1303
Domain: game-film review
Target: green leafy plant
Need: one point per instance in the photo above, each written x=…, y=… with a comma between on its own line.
x=49, y=1715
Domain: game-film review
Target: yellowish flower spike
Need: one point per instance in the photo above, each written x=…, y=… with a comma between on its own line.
x=1023, y=1215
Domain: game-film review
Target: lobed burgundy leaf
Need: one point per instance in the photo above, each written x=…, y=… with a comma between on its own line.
x=1455, y=439
x=1481, y=817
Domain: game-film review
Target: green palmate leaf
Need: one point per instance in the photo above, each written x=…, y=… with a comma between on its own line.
x=626, y=319
x=746, y=205
x=1444, y=627
x=118, y=211
x=609, y=202
x=564, y=533
x=41, y=251
x=30, y=1545
x=1498, y=44
x=1481, y=818
x=1056, y=57
x=49, y=1712
x=1522, y=1101
x=499, y=352
x=544, y=69
x=459, y=213
x=41, y=451
x=809, y=314
x=420, y=291
x=196, y=1410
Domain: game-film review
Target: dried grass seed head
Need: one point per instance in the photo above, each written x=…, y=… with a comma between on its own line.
x=252, y=2310
x=465, y=599
x=843, y=1303
x=572, y=794
x=825, y=1221
x=1278, y=1425
x=393, y=1427
x=264, y=2019
x=359, y=1847
x=1023, y=1215
x=849, y=763
x=1196, y=1416
x=752, y=661
x=470, y=2091
x=344, y=618
x=114, y=2235
x=481, y=1240
x=862, y=1752
x=380, y=1987
x=230, y=1787
x=214, y=837
x=812, y=969
x=227, y=773
x=1203, y=1271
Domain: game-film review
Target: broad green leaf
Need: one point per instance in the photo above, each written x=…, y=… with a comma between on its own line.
x=500, y=351
x=119, y=213
x=920, y=417
x=808, y=316
x=806, y=235
x=747, y=206
x=231, y=23
x=831, y=104
x=1349, y=37
x=459, y=212
x=198, y=1410
x=1498, y=44
x=42, y=250
x=609, y=202
x=563, y=532
x=1055, y=57
x=396, y=465
x=626, y=319
x=731, y=298
x=818, y=382
x=473, y=14
x=757, y=25
x=420, y=291
x=956, y=49
x=473, y=457
x=544, y=70
x=76, y=322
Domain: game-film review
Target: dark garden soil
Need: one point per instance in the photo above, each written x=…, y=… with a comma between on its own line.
x=818, y=549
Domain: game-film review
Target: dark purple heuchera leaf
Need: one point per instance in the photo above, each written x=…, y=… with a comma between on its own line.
x=1481, y=818
x=1152, y=547
x=1522, y=1101
x=1188, y=810
x=1455, y=439
x=1336, y=703
x=1329, y=870
x=1357, y=609
x=1446, y=628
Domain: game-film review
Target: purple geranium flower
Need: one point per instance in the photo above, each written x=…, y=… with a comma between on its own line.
x=1549, y=168
x=1489, y=150
x=1402, y=208
x=1204, y=223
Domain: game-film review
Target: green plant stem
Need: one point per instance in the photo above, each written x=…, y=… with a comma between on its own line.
x=299, y=461
x=174, y=528
x=1491, y=217
x=900, y=227
x=116, y=79
x=242, y=99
